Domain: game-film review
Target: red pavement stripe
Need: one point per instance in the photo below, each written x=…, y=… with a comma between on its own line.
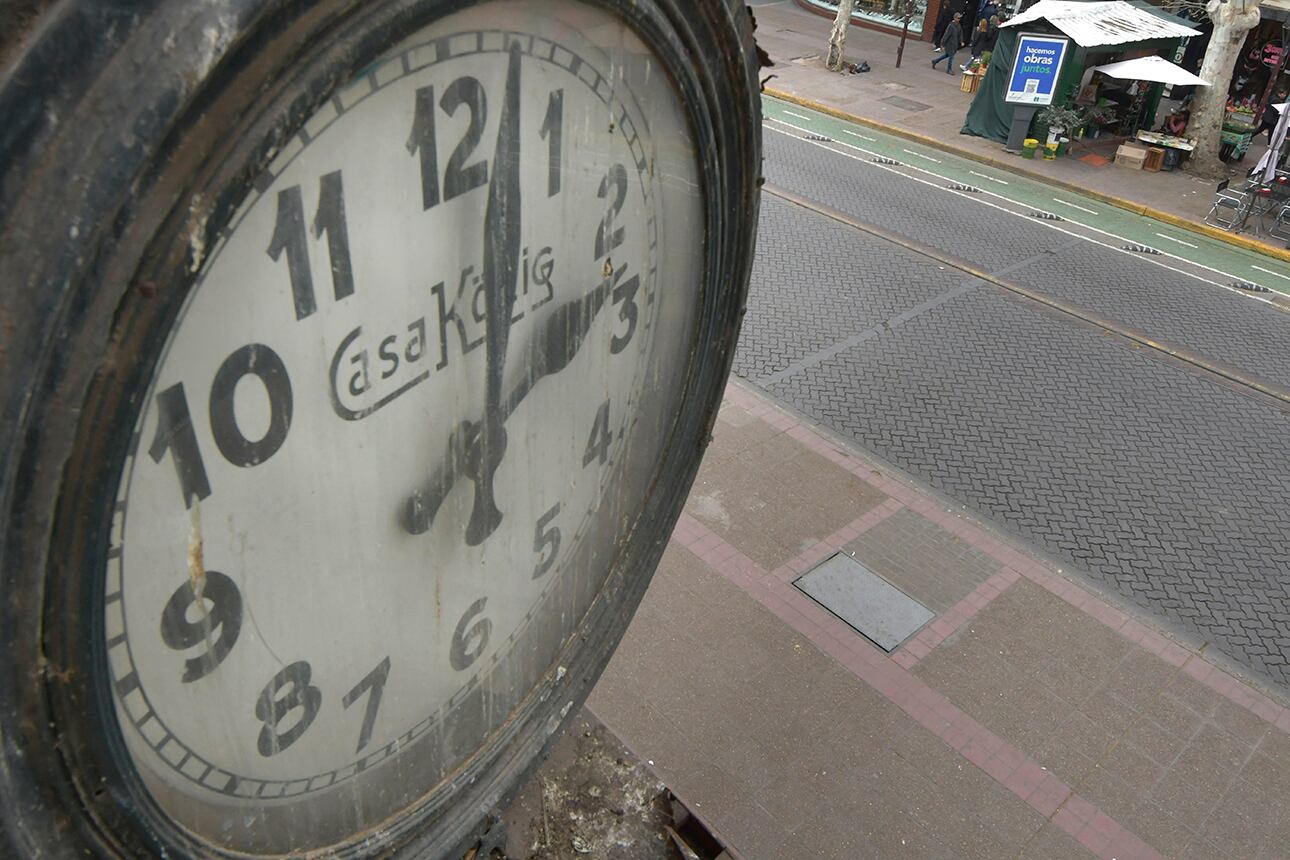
x=1026, y=779
x=914, y=650
x=1166, y=649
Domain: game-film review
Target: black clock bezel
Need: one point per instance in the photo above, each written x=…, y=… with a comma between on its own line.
x=93, y=225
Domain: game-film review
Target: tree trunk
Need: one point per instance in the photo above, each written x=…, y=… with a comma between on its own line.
x=1231, y=22
x=838, y=36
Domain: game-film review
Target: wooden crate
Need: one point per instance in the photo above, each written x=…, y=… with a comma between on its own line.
x=1130, y=156
x=969, y=82
x=1155, y=159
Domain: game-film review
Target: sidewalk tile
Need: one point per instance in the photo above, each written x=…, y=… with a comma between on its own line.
x=1051, y=843
x=1050, y=794
x=922, y=559
x=1133, y=810
x=1227, y=826
x=799, y=739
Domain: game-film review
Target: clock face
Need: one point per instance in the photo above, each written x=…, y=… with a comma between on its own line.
x=403, y=425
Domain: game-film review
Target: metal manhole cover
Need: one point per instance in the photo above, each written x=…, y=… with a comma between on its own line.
x=876, y=609
x=904, y=103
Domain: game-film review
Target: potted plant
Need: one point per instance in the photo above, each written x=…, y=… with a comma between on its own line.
x=1060, y=120
x=1102, y=116
x=985, y=59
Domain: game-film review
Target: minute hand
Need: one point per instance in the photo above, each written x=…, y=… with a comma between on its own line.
x=501, y=272
x=563, y=332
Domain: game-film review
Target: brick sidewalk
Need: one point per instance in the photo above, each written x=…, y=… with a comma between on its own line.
x=920, y=100
x=1029, y=718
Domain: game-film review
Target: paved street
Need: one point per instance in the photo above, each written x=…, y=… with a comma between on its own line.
x=1139, y=435
x=917, y=101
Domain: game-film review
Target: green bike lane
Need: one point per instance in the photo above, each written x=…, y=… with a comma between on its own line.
x=1219, y=263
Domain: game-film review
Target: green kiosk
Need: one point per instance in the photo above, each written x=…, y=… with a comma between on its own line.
x=1044, y=55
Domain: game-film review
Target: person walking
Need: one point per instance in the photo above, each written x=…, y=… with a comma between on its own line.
x=951, y=41
x=942, y=21
x=1271, y=114
x=979, y=39
x=943, y=18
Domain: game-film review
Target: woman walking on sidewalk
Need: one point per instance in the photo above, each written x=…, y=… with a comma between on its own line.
x=980, y=37
x=951, y=41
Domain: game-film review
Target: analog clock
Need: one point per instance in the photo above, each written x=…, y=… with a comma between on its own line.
x=359, y=359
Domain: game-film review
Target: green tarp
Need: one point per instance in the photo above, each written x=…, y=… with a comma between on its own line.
x=989, y=116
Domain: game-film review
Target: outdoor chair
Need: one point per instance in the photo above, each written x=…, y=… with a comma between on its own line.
x=1231, y=207
x=1271, y=203
x=1276, y=221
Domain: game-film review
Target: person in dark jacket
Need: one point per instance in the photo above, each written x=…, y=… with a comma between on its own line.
x=942, y=21
x=979, y=38
x=943, y=18
x=1271, y=115
x=951, y=41
x=987, y=11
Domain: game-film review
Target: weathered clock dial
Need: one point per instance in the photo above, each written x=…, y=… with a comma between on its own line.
x=394, y=367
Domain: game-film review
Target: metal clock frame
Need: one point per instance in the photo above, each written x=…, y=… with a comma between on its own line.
x=131, y=137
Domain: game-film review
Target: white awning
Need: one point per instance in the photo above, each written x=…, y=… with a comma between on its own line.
x=1151, y=69
x=1275, y=10
x=1111, y=22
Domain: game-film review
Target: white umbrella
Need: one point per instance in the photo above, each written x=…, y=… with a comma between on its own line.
x=1267, y=166
x=1151, y=69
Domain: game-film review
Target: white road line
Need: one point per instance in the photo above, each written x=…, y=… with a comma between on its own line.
x=798, y=115
x=859, y=135
x=1050, y=225
x=991, y=178
x=1074, y=206
x=1270, y=272
x=920, y=155
x=831, y=149
x=1179, y=241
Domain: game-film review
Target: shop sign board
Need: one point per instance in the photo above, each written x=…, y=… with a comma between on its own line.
x=1036, y=69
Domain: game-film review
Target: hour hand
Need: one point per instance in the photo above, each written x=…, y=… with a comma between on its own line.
x=424, y=504
x=475, y=454
x=472, y=452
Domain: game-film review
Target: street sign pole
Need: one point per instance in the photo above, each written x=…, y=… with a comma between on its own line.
x=1020, y=127
x=904, y=31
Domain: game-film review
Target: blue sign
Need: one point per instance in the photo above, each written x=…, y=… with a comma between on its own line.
x=1036, y=68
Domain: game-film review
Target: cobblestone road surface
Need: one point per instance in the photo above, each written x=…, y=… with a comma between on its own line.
x=1137, y=291
x=1156, y=478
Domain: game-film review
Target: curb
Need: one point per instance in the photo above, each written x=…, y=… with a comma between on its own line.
x=1118, y=202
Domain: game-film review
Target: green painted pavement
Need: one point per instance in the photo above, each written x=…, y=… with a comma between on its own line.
x=1232, y=263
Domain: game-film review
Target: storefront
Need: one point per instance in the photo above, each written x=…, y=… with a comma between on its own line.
x=887, y=15
x=1260, y=79
x=1262, y=65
